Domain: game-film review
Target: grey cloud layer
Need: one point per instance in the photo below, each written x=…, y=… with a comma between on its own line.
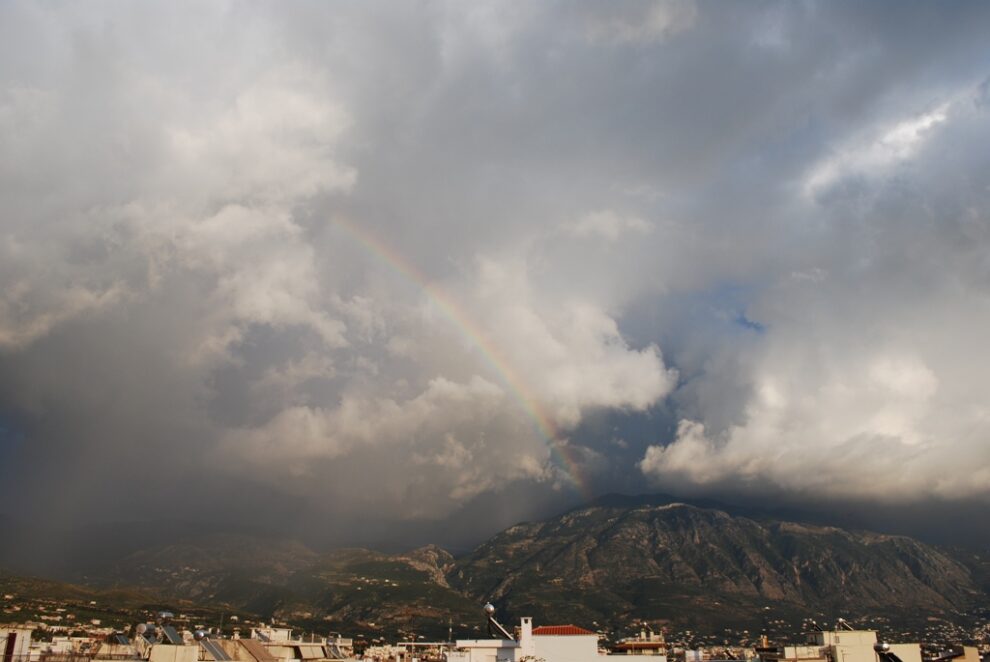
x=179, y=280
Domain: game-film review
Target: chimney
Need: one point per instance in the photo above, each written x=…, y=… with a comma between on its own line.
x=526, y=642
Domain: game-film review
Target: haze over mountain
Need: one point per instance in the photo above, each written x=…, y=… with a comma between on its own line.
x=388, y=274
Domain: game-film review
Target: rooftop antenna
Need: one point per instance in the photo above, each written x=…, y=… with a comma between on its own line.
x=493, y=624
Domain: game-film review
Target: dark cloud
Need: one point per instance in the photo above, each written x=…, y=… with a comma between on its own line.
x=342, y=263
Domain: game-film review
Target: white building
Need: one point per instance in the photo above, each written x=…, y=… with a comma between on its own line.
x=647, y=643
x=553, y=643
x=565, y=643
x=15, y=642
x=846, y=645
x=268, y=644
x=857, y=646
x=271, y=634
x=173, y=653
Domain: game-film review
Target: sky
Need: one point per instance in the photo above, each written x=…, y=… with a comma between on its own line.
x=385, y=270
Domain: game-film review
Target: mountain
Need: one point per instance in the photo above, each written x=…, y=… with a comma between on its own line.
x=618, y=559
x=656, y=560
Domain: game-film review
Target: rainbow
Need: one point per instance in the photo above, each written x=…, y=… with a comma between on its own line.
x=476, y=336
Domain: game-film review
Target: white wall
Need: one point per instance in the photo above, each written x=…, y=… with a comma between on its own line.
x=568, y=648
x=22, y=640
x=485, y=650
x=846, y=637
x=171, y=653
x=907, y=652
x=803, y=652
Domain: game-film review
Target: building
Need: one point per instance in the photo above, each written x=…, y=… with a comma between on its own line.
x=565, y=643
x=647, y=643
x=272, y=644
x=841, y=645
x=960, y=654
x=550, y=643
x=15, y=643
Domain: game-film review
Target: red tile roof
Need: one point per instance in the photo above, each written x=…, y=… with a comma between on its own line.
x=560, y=629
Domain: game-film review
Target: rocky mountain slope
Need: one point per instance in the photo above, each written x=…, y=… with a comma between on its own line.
x=653, y=560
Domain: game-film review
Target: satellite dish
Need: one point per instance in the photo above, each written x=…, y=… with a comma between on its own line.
x=141, y=628
x=200, y=635
x=489, y=608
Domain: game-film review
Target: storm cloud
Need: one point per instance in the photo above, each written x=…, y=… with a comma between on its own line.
x=375, y=261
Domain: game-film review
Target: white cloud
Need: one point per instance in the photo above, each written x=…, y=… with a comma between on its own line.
x=471, y=429
x=270, y=142
x=875, y=154
x=448, y=443
x=569, y=353
x=311, y=433
x=216, y=196
x=607, y=225
x=865, y=381
x=835, y=412
x=283, y=381
x=639, y=21
x=29, y=311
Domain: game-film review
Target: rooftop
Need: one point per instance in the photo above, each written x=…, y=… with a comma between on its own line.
x=560, y=630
